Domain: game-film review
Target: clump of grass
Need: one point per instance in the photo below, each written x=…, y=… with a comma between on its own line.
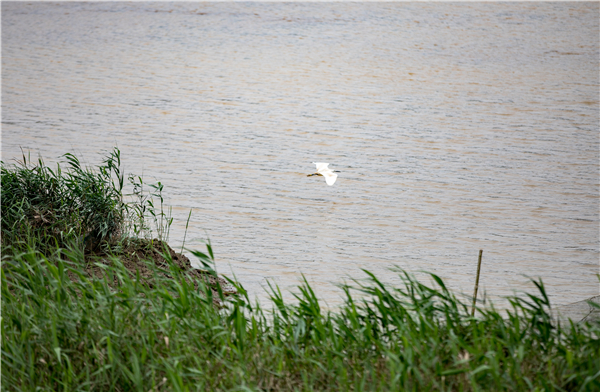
x=44, y=208
x=144, y=207
x=48, y=208
x=90, y=334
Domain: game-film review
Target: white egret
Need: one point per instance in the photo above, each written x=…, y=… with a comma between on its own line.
x=323, y=170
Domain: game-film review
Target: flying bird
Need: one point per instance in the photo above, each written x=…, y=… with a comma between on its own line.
x=324, y=171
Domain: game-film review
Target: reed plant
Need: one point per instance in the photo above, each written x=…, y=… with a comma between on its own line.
x=64, y=331
x=44, y=209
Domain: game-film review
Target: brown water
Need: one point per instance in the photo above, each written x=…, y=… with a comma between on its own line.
x=456, y=127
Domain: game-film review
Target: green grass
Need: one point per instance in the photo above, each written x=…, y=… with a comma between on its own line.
x=62, y=331
x=44, y=209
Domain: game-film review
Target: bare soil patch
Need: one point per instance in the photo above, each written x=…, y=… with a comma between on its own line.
x=143, y=259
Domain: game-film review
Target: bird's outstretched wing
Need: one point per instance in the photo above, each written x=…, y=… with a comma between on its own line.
x=321, y=166
x=330, y=177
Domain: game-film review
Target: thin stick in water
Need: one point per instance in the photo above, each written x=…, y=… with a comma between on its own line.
x=476, y=282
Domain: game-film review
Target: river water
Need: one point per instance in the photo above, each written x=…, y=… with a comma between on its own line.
x=456, y=127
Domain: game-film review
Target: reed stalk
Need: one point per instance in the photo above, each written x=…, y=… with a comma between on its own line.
x=476, y=283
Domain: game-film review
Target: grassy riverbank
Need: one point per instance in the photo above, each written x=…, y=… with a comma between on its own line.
x=78, y=315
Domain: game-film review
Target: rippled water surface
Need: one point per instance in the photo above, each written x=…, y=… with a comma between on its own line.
x=456, y=127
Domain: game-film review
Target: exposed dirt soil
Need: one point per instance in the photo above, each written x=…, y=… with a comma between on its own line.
x=153, y=251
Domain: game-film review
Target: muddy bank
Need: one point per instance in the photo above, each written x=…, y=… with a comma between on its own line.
x=145, y=258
